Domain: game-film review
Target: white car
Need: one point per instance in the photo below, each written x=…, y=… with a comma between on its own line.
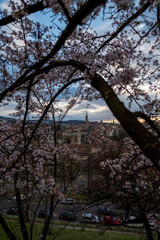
x=89, y=218
x=68, y=201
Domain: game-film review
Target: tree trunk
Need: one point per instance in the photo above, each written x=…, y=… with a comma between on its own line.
x=20, y=210
x=148, y=228
x=7, y=230
x=48, y=219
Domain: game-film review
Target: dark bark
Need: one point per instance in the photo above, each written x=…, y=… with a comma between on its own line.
x=20, y=211
x=65, y=10
x=148, y=143
x=148, y=228
x=7, y=230
x=48, y=219
x=52, y=207
x=27, y=9
x=149, y=121
x=76, y=20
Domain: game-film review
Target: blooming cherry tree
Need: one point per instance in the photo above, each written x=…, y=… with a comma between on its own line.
x=40, y=62
x=132, y=180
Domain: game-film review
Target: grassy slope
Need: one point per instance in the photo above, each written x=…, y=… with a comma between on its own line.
x=69, y=234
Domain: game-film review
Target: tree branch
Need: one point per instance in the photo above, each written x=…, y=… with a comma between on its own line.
x=20, y=209
x=141, y=38
x=46, y=69
x=149, y=121
x=21, y=13
x=77, y=18
x=65, y=10
x=38, y=124
x=27, y=106
x=138, y=13
x=147, y=142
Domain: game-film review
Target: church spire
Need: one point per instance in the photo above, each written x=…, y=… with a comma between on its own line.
x=86, y=118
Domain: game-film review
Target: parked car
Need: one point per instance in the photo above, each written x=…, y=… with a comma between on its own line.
x=43, y=213
x=101, y=210
x=67, y=216
x=89, y=218
x=133, y=221
x=68, y=201
x=12, y=211
x=111, y=221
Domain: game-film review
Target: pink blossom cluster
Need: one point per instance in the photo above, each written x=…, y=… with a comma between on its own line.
x=35, y=167
x=33, y=176
x=133, y=176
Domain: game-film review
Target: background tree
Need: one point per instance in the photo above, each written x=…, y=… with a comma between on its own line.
x=29, y=177
x=33, y=180
x=131, y=180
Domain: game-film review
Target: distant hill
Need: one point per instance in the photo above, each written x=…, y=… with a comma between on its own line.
x=73, y=122
x=8, y=119
x=68, y=122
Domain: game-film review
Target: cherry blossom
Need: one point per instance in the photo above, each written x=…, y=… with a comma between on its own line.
x=39, y=64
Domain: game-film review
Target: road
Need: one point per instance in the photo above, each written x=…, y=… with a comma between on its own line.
x=77, y=208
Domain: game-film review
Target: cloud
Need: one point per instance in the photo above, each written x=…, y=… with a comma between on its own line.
x=102, y=28
x=84, y=105
x=4, y=5
x=5, y=111
x=97, y=110
x=104, y=115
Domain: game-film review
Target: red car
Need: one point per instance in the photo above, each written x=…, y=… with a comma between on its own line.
x=111, y=221
x=12, y=211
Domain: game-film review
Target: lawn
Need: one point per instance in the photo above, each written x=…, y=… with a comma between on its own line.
x=69, y=234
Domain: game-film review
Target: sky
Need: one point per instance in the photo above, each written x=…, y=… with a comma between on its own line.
x=97, y=109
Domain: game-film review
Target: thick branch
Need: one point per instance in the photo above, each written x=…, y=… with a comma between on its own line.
x=147, y=142
x=77, y=19
x=46, y=69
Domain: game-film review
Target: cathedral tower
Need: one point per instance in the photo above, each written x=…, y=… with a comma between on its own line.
x=86, y=118
x=86, y=121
